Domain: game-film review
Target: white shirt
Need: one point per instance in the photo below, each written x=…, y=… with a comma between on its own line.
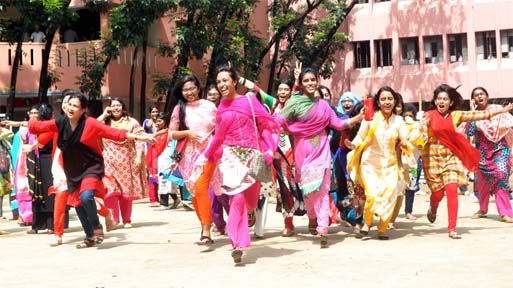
x=37, y=37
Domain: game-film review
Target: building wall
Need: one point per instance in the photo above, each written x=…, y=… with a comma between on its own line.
x=397, y=19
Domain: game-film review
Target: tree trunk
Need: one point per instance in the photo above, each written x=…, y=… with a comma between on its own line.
x=272, y=68
x=43, y=78
x=143, y=78
x=132, y=82
x=14, y=75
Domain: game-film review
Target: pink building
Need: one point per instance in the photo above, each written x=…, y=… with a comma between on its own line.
x=67, y=48
x=415, y=45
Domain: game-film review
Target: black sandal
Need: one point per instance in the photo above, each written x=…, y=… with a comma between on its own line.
x=86, y=243
x=205, y=240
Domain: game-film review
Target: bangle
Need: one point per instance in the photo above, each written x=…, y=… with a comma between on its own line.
x=135, y=137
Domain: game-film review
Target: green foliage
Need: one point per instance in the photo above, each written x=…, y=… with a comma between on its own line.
x=309, y=33
x=91, y=80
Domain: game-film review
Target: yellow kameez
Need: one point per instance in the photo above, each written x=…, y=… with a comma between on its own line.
x=374, y=165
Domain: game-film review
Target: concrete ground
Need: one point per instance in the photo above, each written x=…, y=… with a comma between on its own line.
x=159, y=251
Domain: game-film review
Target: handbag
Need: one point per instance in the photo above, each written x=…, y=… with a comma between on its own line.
x=258, y=169
x=177, y=155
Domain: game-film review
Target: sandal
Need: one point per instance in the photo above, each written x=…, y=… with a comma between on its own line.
x=109, y=223
x=312, y=226
x=56, y=242
x=410, y=216
x=86, y=243
x=205, y=240
x=454, y=235
x=324, y=241
x=287, y=232
x=219, y=231
x=507, y=219
x=479, y=214
x=365, y=233
x=237, y=255
x=32, y=231
x=431, y=215
x=383, y=236
x=98, y=235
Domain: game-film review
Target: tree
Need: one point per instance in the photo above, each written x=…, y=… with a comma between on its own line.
x=312, y=41
x=130, y=23
x=218, y=30
x=52, y=14
x=92, y=78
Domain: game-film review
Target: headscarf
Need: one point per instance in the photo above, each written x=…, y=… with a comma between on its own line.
x=347, y=95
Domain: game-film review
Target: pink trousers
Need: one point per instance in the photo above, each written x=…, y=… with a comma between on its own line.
x=117, y=204
x=237, y=226
x=318, y=206
x=501, y=197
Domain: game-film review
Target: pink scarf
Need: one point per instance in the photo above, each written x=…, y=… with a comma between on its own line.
x=497, y=127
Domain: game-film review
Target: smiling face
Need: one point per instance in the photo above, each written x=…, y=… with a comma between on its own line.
x=213, y=95
x=64, y=104
x=309, y=84
x=284, y=93
x=386, y=103
x=116, y=109
x=154, y=113
x=74, y=110
x=481, y=99
x=226, y=84
x=160, y=123
x=443, y=103
x=190, y=91
x=326, y=95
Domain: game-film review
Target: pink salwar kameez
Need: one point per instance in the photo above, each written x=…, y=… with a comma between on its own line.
x=232, y=149
x=21, y=183
x=312, y=153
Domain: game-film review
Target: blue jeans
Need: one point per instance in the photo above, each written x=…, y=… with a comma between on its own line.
x=87, y=213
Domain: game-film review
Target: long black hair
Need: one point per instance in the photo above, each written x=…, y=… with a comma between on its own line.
x=454, y=95
x=179, y=99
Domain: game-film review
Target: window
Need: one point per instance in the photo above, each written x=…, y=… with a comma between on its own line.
x=383, y=50
x=458, y=51
x=486, y=45
x=433, y=49
x=409, y=51
x=361, y=54
x=377, y=1
x=362, y=1
x=507, y=43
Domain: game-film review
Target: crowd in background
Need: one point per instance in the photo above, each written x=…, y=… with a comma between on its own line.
x=222, y=153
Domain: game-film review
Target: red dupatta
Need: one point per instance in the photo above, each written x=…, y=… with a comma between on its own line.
x=443, y=129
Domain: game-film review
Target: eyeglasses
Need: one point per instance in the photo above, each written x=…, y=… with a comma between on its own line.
x=116, y=105
x=213, y=94
x=190, y=90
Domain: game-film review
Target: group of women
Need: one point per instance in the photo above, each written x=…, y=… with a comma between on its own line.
x=218, y=140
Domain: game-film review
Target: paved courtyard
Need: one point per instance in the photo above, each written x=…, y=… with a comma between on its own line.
x=159, y=251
